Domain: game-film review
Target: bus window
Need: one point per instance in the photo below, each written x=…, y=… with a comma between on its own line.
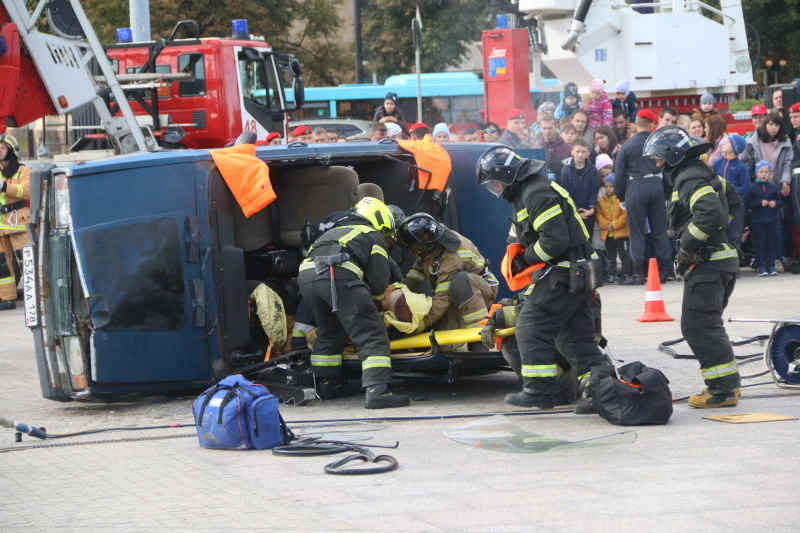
x=465, y=109
x=192, y=63
x=358, y=109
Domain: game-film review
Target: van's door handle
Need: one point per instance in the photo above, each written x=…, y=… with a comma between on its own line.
x=191, y=235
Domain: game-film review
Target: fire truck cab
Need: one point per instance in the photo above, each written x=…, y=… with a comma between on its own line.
x=202, y=93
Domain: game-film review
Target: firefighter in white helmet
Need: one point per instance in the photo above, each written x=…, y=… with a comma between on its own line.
x=15, y=188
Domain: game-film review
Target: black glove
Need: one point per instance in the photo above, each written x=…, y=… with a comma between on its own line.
x=518, y=264
x=487, y=334
x=687, y=259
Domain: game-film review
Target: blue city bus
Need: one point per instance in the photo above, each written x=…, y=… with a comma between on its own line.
x=451, y=97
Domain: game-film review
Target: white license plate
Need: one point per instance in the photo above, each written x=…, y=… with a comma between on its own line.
x=29, y=284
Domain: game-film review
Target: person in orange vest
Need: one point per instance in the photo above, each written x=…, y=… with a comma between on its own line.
x=15, y=188
x=550, y=231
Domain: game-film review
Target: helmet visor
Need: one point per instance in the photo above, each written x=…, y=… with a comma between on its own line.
x=499, y=164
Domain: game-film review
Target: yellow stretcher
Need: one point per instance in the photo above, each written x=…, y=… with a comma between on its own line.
x=453, y=336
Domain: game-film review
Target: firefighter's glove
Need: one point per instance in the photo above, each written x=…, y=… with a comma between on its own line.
x=487, y=333
x=518, y=264
x=687, y=259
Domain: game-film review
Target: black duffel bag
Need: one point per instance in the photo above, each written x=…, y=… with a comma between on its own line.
x=640, y=396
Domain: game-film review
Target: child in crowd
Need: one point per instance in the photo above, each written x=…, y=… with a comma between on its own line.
x=390, y=111
x=625, y=99
x=706, y=107
x=735, y=172
x=764, y=203
x=569, y=133
x=441, y=133
x=613, y=223
x=604, y=166
x=580, y=179
x=570, y=104
x=597, y=105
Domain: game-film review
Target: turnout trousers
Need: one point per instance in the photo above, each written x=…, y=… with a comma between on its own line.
x=9, y=244
x=552, y=314
x=644, y=200
x=356, y=318
x=705, y=295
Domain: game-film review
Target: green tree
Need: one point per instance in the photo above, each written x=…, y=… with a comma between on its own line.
x=305, y=28
x=778, y=25
x=447, y=27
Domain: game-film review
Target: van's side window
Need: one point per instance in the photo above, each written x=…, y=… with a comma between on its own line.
x=194, y=64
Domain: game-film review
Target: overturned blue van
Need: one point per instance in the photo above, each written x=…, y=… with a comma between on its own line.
x=136, y=276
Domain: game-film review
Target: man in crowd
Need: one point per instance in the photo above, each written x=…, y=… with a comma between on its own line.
x=667, y=117
x=622, y=125
x=638, y=182
x=333, y=136
x=471, y=135
x=378, y=132
x=515, y=123
x=557, y=150
x=302, y=134
x=320, y=135
x=418, y=131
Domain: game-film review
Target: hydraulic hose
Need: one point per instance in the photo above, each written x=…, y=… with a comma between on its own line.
x=578, y=25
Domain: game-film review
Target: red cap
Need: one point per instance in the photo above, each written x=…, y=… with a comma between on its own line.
x=417, y=126
x=301, y=130
x=794, y=109
x=515, y=113
x=273, y=135
x=647, y=115
x=758, y=109
x=261, y=142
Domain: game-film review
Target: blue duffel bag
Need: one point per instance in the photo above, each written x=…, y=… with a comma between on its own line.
x=237, y=414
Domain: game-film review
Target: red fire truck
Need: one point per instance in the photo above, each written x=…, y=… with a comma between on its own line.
x=186, y=92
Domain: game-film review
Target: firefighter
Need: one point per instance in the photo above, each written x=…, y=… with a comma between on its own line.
x=463, y=286
x=342, y=283
x=15, y=188
x=699, y=212
x=549, y=230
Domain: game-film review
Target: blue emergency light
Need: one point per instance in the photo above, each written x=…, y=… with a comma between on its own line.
x=501, y=22
x=239, y=29
x=124, y=35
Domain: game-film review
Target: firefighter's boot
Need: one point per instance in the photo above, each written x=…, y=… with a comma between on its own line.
x=527, y=399
x=707, y=400
x=330, y=388
x=6, y=305
x=381, y=397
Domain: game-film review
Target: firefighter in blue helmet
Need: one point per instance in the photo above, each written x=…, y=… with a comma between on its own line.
x=699, y=211
x=550, y=231
x=342, y=283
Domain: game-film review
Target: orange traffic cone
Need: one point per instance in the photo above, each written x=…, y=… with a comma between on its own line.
x=653, y=302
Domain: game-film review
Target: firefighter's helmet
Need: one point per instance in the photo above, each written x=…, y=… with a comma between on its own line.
x=377, y=214
x=420, y=233
x=673, y=145
x=11, y=143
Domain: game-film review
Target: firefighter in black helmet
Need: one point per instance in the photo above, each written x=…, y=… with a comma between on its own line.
x=463, y=286
x=550, y=231
x=699, y=211
x=342, y=283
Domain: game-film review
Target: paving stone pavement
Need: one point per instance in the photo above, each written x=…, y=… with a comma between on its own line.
x=690, y=475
